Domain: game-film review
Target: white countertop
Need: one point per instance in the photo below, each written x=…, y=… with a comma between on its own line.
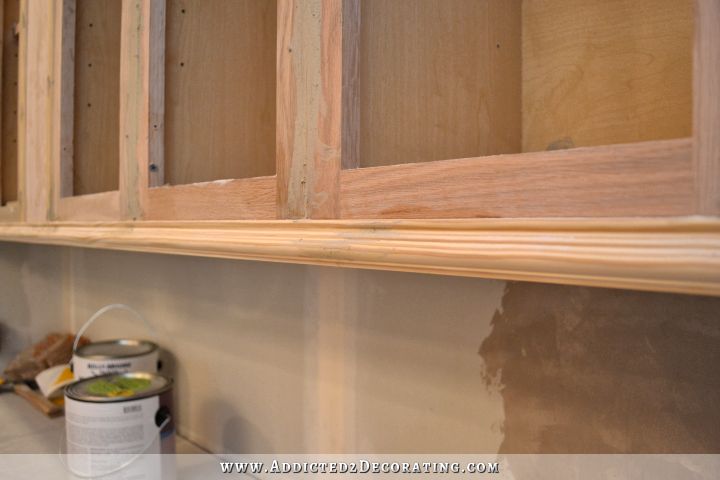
x=26, y=430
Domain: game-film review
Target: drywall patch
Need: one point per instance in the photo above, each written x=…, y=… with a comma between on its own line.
x=585, y=370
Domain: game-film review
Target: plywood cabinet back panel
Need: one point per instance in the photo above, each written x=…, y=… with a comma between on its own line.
x=9, y=141
x=598, y=73
x=97, y=96
x=439, y=79
x=219, y=90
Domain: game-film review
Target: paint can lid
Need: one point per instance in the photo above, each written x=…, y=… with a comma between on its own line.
x=118, y=387
x=110, y=349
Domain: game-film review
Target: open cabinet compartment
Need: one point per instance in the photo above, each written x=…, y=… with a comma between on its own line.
x=473, y=80
x=219, y=111
x=441, y=80
x=9, y=61
x=87, y=177
x=601, y=73
x=96, y=96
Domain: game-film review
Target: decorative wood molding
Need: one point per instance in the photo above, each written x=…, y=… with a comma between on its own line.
x=673, y=255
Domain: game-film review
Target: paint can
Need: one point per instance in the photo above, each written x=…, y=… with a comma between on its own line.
x=117, y=422
x=114, y=356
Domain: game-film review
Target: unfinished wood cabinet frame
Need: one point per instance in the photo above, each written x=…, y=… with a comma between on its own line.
x=62, y=204
x=317, y=135
x=143, y=195
x=318, y=178
x=381, y=217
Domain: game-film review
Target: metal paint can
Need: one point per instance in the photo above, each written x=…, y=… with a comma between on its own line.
x=116, y=422
x=114, y=356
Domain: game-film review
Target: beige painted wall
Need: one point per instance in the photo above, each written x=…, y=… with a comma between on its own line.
x=31, y=305
x=288, y=358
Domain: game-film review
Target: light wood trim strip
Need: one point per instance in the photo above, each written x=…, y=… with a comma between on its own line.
x=103, y=206
x=135, y=88
x=639, y=179
x=309, y=107
x=37, y=29
x=707, y=106
x=673, y=255
x=241, y=199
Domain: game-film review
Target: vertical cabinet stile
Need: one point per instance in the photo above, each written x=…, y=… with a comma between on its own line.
x=313, y=76
x=35, y=106
x=706, y=90
x=142, y=20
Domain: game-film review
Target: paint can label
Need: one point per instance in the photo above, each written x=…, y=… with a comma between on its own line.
x=106, y=437
x=90, y=367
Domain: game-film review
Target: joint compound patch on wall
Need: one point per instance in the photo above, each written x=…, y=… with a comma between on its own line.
x=585, y=370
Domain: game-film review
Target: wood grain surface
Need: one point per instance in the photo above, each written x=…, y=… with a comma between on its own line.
x=707, y=107
x=642, y=179
x=309, y=99
x=600, y=73
x=97, y=96
x=103, y=206
x=241, y=199
x=36, y=80
x=219, y=90
x=63, y=102
x=439, y=79
x=673, y=255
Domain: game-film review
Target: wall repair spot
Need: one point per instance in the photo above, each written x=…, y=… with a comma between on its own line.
x=590, y=370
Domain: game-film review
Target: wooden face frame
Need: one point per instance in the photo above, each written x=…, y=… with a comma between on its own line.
x=317, y=179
